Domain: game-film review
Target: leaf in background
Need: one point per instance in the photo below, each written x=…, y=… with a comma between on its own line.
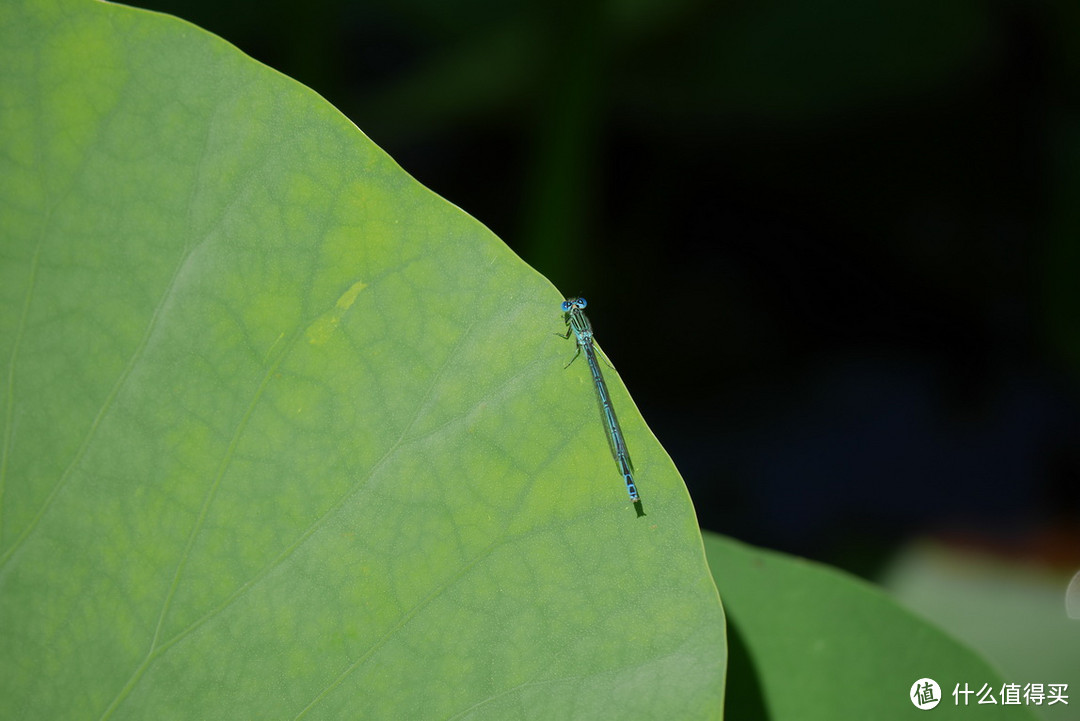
x=284, y=434
x=809, y=642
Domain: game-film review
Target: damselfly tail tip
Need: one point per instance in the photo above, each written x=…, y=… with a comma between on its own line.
x=638, y=508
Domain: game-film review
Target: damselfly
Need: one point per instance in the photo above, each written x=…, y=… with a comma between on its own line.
x=578, y=324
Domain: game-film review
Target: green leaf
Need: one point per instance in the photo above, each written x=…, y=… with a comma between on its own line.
x=284, y=434
x=809, y=642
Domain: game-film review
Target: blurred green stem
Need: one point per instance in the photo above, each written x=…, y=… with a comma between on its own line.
x=560, y=186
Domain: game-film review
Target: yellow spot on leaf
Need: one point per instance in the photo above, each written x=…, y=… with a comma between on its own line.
x=320, y=331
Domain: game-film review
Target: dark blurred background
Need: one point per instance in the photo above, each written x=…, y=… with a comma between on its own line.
x=831, y=246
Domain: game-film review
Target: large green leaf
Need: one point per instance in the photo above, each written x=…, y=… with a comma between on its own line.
x=809, y=642
x=286, y=435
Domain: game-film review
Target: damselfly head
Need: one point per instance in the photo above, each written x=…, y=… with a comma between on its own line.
x=570, y=303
